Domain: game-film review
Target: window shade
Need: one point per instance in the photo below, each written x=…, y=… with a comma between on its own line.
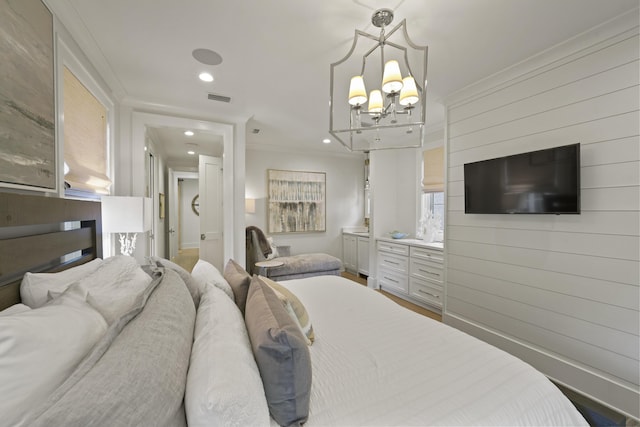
x=85, y=138
x=433, y=166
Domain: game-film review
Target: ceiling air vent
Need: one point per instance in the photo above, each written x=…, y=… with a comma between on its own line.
x=220, y=98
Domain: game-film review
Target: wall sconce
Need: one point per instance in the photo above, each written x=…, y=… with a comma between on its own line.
x=250, y=206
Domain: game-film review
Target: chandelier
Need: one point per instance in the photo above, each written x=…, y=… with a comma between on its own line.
x=392, y=114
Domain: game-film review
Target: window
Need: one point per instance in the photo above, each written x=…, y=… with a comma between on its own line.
x=432, y=221
x=85, y=130
x=431, y=224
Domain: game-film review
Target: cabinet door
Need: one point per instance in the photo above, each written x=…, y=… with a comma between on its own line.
x=363, y=255
x=350, y=253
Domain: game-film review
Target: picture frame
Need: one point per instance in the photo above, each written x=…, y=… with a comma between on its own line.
x=296, y=201
x=161, y=205
x=28, y=143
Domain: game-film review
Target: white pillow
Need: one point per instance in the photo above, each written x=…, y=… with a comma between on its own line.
x=14, y=309
x=34, y=286
x=114, y=287
x=205, y=273
x=224, y=386
x=40, y=348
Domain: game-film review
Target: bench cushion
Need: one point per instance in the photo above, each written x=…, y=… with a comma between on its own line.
x=305, y=265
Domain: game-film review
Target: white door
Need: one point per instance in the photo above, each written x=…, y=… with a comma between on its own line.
x=211, y=239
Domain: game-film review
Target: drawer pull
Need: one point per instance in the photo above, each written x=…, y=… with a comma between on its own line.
x=391, y=262
x=427, y=293
x=430, y=272
x=390, y=279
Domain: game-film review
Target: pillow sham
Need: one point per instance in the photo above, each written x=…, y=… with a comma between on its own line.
x=223, y=384
x=281, y=353
x=239, y=280
x=14, y=309
x=195, y=288
x=294, y=307
x=40, y=348
x=34, y=286
x=204, y=272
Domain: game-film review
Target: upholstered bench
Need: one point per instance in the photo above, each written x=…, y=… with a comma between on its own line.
x=305, y=265
x=293, y=266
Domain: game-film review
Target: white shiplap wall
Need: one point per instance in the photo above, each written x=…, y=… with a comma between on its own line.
x=562, y=292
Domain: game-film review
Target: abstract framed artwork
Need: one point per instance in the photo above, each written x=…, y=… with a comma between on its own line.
x=27, y=98
x=297, y=201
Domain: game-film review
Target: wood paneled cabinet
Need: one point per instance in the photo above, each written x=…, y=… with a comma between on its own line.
x=350, y=253
x=411, y=270
x=355, y=253
x=363, y=255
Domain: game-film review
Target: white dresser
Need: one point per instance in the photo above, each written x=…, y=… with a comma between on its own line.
x=411, y=269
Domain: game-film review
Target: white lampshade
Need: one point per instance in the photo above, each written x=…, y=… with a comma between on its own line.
x=126, y=214
x=391, y=79
x=357, y=91
x=250, y=206
x=375, y=101
x=409, y=92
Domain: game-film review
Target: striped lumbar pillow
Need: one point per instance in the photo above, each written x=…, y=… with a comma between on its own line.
x=294, y=307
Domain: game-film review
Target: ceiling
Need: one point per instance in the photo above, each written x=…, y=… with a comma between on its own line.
x=276, y=54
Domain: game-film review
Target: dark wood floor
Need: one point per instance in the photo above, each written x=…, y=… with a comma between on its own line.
x=406, y=304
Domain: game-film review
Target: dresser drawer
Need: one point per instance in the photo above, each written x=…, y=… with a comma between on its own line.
x=425, y=270
x=393, y=280
x=420, y=290
x=393, y=262
x=426, y=254
x=395, y=248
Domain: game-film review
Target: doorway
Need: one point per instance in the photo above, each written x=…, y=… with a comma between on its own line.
x=232, y=134
x=188, y=223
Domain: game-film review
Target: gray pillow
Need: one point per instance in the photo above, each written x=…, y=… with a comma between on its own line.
x=239, y=280
x=281, y=353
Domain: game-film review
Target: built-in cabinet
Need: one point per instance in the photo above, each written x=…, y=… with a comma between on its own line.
x=355, y=252
x=350, y=252
x=411, y=269
x=363, y=255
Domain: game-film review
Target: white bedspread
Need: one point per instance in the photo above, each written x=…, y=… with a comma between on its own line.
x=376, y=363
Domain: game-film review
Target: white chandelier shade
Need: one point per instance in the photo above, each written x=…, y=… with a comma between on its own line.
x=377, y=91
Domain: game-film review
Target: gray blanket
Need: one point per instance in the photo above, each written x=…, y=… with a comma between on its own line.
x=136, y=375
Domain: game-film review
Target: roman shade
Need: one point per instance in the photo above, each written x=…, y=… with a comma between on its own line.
x=433, y=170
x=85, y=138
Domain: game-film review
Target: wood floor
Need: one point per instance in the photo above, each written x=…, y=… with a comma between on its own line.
x=187, y=258
x=406, y=304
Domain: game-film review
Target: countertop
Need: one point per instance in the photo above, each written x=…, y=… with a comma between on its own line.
x=357, y=233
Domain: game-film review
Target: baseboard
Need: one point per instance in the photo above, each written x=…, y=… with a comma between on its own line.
x=597, y=388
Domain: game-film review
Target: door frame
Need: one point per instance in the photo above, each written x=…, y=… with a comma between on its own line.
x=233, y=136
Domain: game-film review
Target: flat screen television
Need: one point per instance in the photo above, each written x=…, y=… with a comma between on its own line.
x=537, y=182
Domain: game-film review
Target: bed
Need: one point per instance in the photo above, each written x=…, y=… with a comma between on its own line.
x=189, y=348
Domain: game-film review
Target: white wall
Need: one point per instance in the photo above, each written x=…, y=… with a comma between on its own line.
x=345, y=187
x=562, y=292
x=189, y=221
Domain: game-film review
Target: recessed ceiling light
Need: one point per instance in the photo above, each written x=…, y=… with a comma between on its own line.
x=326, y=141
x=206, y=77
x=188, y=132
x=191, y=152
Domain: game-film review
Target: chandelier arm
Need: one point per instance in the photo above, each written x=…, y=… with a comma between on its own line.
x=390, y=33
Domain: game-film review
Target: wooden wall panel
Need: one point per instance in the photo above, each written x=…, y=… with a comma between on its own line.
x=565, y=287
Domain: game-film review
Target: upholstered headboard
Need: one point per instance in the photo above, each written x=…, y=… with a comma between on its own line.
x=44, y=234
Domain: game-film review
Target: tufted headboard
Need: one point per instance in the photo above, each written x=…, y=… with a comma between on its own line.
x=44, y=234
